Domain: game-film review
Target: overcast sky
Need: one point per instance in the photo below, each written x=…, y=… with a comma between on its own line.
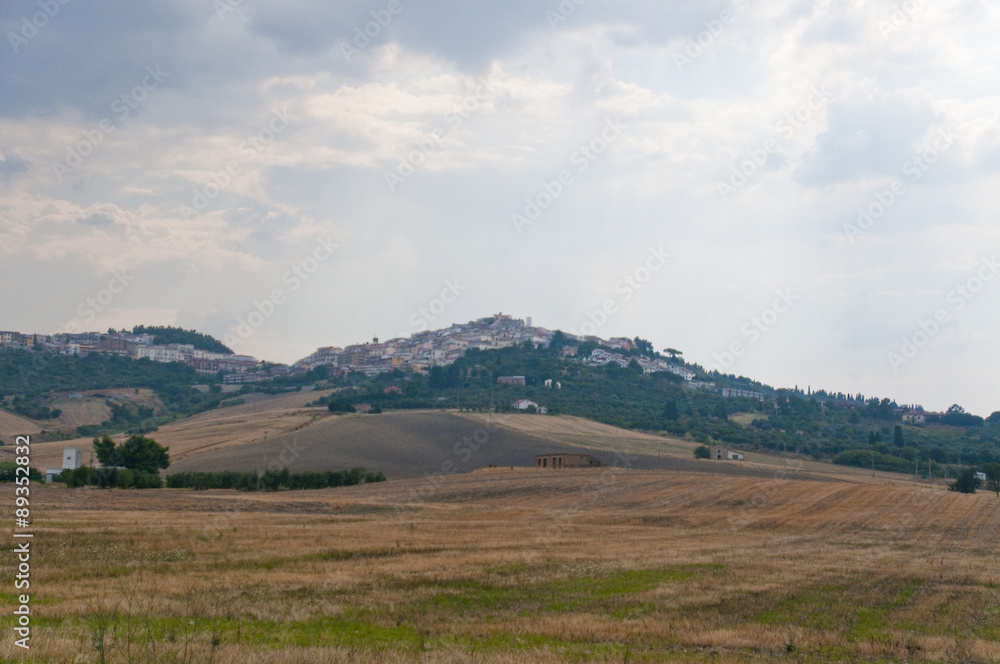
x=812, y=185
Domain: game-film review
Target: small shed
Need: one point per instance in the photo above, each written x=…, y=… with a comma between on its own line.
x=566, y=461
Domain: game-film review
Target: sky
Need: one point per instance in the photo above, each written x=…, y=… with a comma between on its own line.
x=805, y=193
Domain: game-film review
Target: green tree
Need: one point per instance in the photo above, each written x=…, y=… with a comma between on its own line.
x=104, y=448
x=992, y=472
x=967, y=481
x=145, y=454
x=702, y=452
x=136, y=453
x=897, y=436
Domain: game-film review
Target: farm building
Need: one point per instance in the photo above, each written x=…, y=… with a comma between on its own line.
x=723, y=453
x=566, y=461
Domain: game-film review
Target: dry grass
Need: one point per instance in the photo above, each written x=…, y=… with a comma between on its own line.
x=521, y=566
x=12, y=425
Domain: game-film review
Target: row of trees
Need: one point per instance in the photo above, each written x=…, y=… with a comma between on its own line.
x=272, y=480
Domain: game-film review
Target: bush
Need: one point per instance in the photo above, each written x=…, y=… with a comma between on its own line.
x=272, y=480
x=109, y=478
x=702, y=452
x=8, y=472
x=967, y=481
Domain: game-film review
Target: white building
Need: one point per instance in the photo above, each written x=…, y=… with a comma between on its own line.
x=72, y=458
x=525, y=404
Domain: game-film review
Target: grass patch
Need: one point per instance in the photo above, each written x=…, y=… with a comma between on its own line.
x=612, y=594
x=860, y=611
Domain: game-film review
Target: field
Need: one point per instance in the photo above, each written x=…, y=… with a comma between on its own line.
x=605, y=565
x=12, y=425
x=269, y=430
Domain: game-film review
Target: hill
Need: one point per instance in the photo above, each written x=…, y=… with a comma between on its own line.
x=12, y=425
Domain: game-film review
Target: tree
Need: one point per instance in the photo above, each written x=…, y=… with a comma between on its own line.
x=145, y=454
x=897, y=436
x=702, y=452
x=992, y=472
x=673, y=353
x=105, y=450
x=670, y=411
x=967, y=481
x=136, y=453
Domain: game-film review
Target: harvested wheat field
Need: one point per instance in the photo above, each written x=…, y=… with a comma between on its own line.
x=601, y=565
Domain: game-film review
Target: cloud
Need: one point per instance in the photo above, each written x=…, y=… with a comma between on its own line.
x=554, y=85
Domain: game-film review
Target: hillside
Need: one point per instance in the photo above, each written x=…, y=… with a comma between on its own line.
x=12, y=425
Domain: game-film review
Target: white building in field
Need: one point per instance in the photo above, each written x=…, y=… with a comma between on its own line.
x=72, y=458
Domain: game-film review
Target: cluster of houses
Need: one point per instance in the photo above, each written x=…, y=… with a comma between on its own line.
x=135, y=346
x=601, y=357
x=423, y=350
x=419, y=352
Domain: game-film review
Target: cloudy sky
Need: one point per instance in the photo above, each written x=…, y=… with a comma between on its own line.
x=800, y=192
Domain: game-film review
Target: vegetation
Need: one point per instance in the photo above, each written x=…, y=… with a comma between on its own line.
x=843, y=428
x=992, y=472
x=163, y=335
x=272, y=480
x=110, y=478
x=847, y=429
x=136, y=453
x=32, y=407
x=967, y=481
x=702, y=452
x=8, y=472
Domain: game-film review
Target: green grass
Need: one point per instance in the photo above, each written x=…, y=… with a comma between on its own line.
x=860, y=611
x=612, y=594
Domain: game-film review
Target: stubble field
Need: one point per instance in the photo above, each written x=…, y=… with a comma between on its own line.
x=498, y=566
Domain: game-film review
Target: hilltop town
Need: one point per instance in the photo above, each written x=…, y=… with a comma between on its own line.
x=418, y=352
